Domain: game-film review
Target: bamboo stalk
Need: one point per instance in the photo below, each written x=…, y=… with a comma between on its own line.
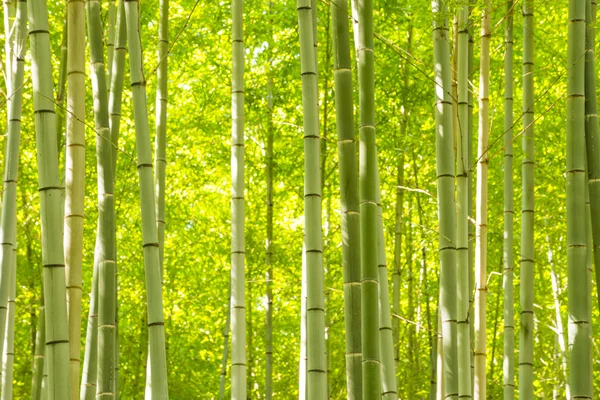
x=526, y=390
x=51, y=204
x=508, y=256
x=349, y=196
x=578, y=285
x=446, y=204
x=156, y=328
x=75, y=180
x=106, y=215
x=316, y=375
x=480, y=356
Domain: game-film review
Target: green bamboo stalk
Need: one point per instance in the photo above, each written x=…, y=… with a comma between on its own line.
x=117, y=75
x=470, y=190
x=9, y=186
x=446, y=204
x=9, y=15
x=223, y=373
x=411, y=350
x=44, y=389
x=238, y=310
x=462, y=208
x=388, y=371
x=315, y=312
x=160, y=158
x=439, y=368
x=479, y=392
x=527, y=212
x=156, y=329
x=90, y=358
x=269, y=246
x=39, y=355
x=508, y=256
x=592, y=137
x=106, y=214
x=302, y=367
x=111, y=16
x=371, y=365
x=561, y=337
x=57, y=334
x=62, y=80
x=348, y=195
x=397, y=274
x=75, y=180
x=578, y=285
x=433, y=363
x=9, y=338
x=8, y=231
x=396, y=278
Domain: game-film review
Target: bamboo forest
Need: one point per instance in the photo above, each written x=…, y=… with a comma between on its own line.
x=306, y=199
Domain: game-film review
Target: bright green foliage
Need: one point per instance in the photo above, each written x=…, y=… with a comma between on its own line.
x=197, y=238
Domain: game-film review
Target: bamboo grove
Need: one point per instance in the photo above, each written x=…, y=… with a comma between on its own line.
x=307, y=199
